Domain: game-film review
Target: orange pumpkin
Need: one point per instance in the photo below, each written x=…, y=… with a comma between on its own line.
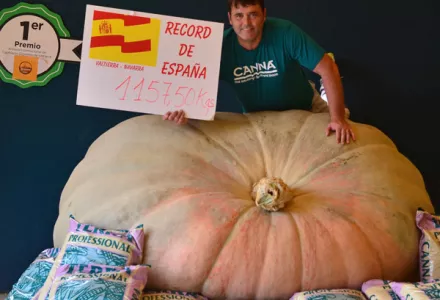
x=256, y=206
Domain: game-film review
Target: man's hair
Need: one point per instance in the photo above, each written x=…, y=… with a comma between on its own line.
x=236, y=3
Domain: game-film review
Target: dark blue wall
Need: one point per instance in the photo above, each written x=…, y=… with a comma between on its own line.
x=388, y=54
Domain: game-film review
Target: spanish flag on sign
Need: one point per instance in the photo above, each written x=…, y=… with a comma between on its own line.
x=124, y=38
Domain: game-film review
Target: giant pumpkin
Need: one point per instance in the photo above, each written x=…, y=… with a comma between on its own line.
x=256, y=206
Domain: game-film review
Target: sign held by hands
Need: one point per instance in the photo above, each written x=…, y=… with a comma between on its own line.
x=142, y=62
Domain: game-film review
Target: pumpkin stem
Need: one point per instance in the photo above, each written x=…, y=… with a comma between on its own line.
x=271, y=194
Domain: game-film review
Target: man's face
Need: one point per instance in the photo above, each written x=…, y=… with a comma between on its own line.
x=247, y=21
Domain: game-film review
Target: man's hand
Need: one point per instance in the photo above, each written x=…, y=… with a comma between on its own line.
x=343, y=130
x=331, y=79
x=177, y=116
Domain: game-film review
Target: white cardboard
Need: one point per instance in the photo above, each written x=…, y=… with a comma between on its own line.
x=119, y=86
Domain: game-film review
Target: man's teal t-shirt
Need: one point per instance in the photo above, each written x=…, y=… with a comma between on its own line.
x=270, y=77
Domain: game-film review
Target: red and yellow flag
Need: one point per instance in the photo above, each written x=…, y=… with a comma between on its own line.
x=124, y=38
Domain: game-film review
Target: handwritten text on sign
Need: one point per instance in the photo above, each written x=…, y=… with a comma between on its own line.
x=149, y=63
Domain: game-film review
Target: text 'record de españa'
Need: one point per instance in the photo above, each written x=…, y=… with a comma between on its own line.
x=149, y=63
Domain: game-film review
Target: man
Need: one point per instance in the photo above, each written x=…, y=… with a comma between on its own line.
x=262, y=59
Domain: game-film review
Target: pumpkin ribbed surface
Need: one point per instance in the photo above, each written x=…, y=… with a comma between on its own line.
x=347, y=215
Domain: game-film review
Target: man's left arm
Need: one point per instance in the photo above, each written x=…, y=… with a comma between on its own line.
x=328, y=70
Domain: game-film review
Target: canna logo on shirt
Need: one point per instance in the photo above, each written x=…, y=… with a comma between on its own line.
x=252, y=72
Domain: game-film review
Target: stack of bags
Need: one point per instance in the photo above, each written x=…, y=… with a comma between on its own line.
x=93, y=263
x=96, y=263
x=375, y=289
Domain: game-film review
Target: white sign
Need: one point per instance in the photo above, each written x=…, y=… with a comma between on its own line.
x=142, y=62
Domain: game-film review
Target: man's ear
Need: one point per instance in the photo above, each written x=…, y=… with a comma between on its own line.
x=229, y=17
x=265, y=14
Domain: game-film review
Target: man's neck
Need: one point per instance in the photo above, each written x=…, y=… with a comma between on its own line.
x=251, y=45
